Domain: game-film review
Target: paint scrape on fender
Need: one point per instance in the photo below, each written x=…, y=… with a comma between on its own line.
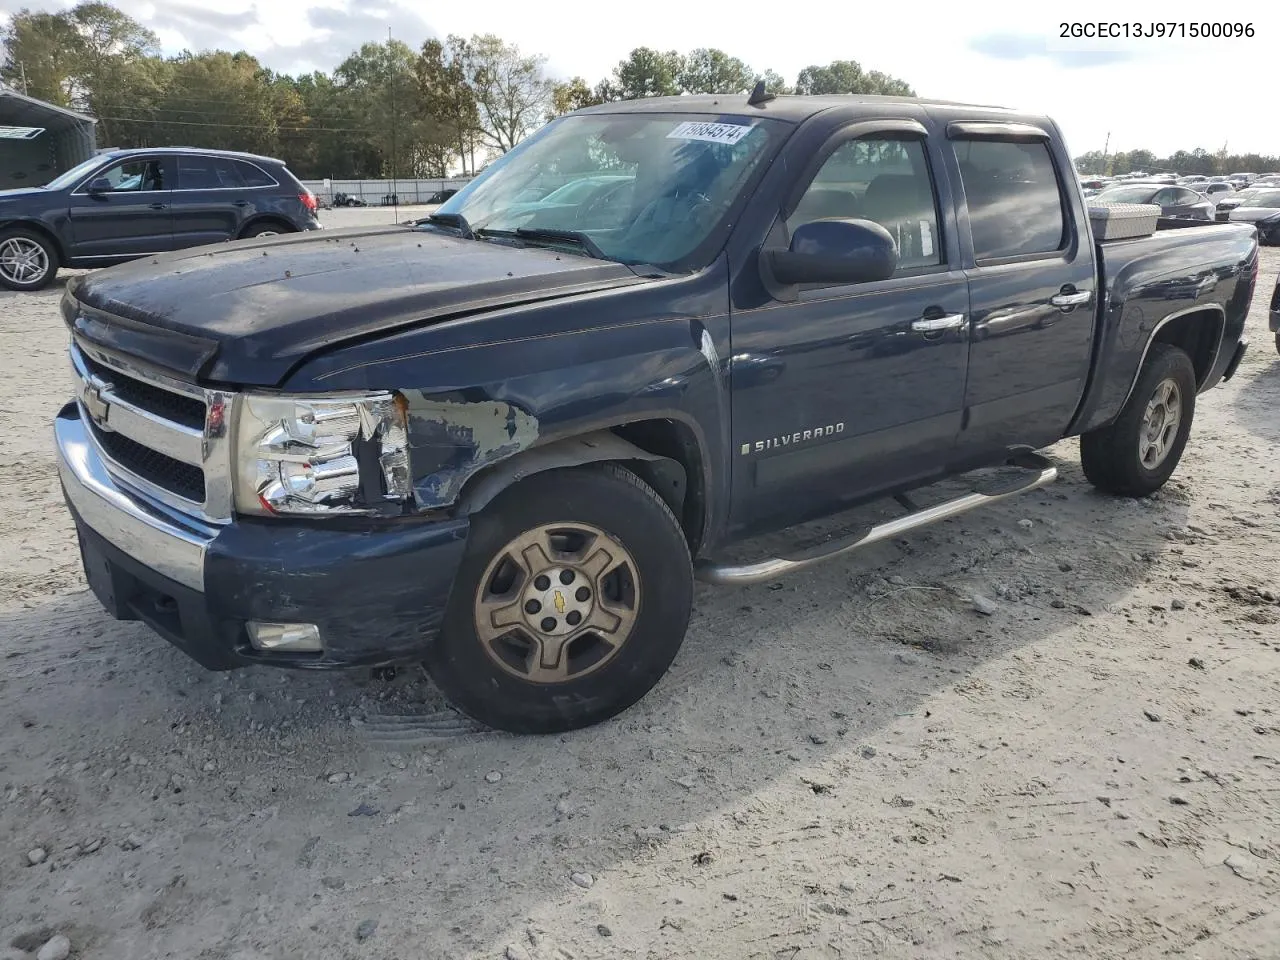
x=451, y=440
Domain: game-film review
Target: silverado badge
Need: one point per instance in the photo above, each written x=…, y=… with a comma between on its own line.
x=792, y=439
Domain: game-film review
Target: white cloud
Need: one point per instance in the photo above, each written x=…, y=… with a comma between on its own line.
x=1157, y=94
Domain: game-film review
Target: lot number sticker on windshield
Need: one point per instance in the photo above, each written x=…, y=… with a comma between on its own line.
x=728, y=133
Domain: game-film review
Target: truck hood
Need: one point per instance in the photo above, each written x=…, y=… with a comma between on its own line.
x=249, y=312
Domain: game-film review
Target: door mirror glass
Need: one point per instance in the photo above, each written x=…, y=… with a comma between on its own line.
x=835, y=251
x=100, y=185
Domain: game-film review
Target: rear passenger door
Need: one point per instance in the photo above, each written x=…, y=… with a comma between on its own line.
x=209, y=203
x=841, y=391
x=1031, y=285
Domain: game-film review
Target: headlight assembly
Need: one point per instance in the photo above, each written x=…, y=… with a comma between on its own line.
x=321, y=455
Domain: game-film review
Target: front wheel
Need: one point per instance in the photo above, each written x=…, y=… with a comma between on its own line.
x=28, y=261
x=1136, y=454
x=571, y=601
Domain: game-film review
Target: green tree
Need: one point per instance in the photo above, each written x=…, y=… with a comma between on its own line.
x=512, y=92
x=847, y=76
x=708, y=70
x=40, y=54
x=570, y=96
x=446, y=96
x=644, y=73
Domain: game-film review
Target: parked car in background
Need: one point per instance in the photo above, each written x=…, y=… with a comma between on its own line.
x=1261, y=208
x=1275, y=314
x=440, y=196
x=133, y=203
x=1173, y=201
x=1214, y=191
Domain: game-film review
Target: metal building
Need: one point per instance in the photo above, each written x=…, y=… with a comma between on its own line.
x=38, y=141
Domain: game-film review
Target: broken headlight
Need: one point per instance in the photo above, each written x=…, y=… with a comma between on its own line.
x=321, y=455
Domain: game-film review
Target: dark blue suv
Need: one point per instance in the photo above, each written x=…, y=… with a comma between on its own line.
x=132, y=203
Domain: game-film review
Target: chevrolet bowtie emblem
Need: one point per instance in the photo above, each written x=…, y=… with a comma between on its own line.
x=559, y=602
x=95, y=404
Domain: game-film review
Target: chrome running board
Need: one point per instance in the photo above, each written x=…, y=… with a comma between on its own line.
x=1042, y=473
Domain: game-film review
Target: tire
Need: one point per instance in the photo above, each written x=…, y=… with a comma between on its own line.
x=1134, y=456
x=1278, y=343
x=28, y=261
x=264, y=230
x=513, y=682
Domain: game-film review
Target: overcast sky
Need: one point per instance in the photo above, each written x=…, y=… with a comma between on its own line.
x=1156, y=94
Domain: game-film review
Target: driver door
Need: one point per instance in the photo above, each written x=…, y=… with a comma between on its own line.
x=845, y=391
x=131, y=219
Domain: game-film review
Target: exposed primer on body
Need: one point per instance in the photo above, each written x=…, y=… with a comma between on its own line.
x=451, y=441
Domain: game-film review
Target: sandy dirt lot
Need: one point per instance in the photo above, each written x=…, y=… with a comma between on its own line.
x=853, y=762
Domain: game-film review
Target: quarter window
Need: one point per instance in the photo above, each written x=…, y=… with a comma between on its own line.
x=253, y=175
x=1014, y=200
x=885, y=180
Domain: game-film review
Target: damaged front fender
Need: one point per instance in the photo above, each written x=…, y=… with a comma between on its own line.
x=451, y=440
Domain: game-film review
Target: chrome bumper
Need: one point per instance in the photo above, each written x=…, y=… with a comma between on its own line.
x=147, y=532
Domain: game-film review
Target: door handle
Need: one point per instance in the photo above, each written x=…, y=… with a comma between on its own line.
x=1065, y=301
x=242, y=203
x=950, y=321
x=159, y=206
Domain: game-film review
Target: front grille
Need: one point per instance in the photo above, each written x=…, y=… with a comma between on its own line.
x=143, y=423
x=185, y=410
x=173, y=475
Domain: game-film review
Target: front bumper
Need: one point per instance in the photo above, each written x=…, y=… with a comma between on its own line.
x=377, y=592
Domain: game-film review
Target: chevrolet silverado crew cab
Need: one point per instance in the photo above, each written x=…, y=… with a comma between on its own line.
x=504, y=440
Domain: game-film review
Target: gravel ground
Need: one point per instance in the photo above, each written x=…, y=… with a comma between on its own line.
x=852, y=762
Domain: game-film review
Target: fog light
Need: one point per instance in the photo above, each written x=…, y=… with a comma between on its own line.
x=296, y=637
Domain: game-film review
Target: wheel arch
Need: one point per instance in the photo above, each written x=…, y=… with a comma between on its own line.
x=1197, y=332
x=665, y=453
x=35, y=226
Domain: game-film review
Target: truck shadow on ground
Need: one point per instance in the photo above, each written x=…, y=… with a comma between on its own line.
x=258, y=789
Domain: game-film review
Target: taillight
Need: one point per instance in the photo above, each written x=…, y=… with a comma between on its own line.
x=309, y=201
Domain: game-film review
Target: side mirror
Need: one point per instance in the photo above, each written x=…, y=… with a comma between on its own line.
x=835, y=251
x=99, y=185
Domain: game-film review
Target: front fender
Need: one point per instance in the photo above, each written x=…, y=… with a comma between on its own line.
x=486, y=389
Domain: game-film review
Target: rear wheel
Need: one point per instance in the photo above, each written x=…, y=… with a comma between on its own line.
x=28, y=261
x=1136, y=454
x=571, y=601
x=264, y=230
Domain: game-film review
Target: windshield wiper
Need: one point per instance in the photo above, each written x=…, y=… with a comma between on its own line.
x=455, y=220
x=583, y=240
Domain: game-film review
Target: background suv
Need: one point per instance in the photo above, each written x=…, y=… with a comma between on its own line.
x=132, y=203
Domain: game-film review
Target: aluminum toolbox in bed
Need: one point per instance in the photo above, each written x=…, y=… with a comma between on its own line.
x=1122, y=221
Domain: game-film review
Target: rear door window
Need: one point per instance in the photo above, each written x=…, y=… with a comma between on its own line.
x=208, y=173
x=1014, y=198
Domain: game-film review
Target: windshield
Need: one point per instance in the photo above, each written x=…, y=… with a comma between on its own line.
x=74, y=174
x=638, y=188
x=1128, y=194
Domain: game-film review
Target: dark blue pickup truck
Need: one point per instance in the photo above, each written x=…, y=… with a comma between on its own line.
x=503, y=441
